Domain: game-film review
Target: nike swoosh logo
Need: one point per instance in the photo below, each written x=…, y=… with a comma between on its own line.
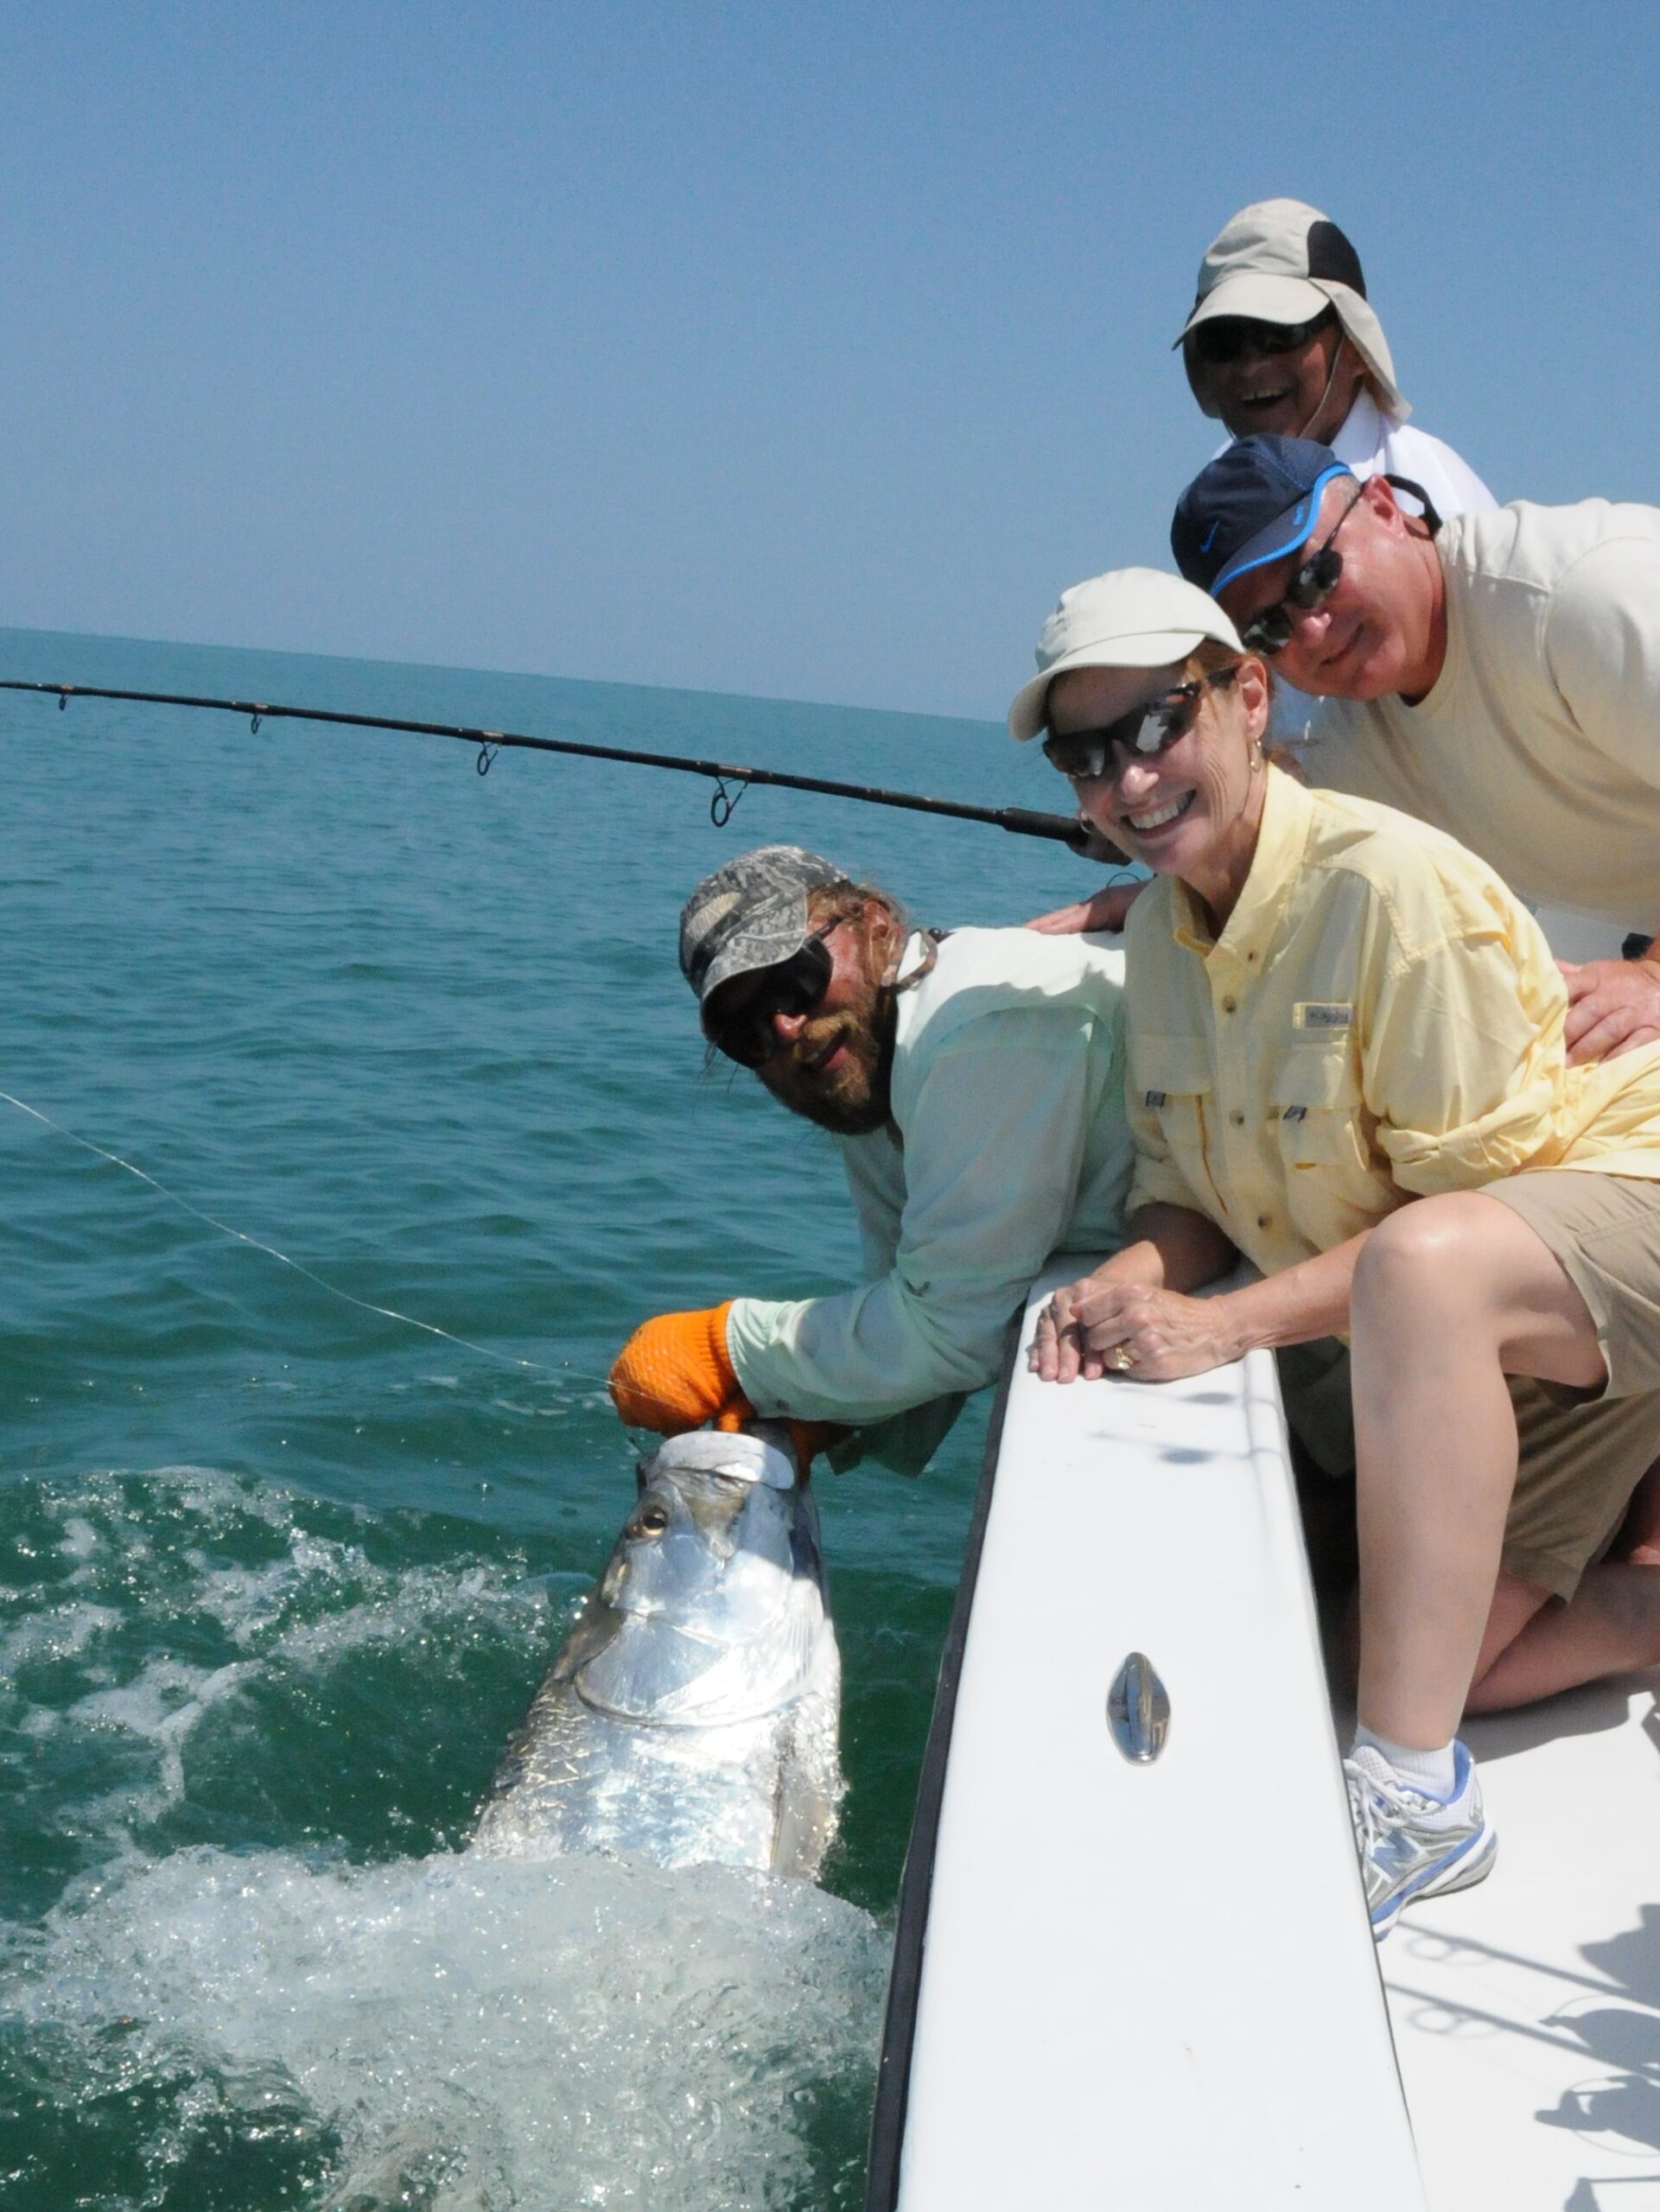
x=1210, y=535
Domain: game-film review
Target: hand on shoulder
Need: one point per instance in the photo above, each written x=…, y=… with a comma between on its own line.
x=1106, y=911
x=1613, y=1007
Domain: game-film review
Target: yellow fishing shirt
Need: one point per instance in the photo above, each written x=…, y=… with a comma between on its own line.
x=1380, y=1020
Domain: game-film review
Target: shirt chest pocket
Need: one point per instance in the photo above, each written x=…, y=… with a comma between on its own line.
x=1321, y=1116
x=1173, y=1083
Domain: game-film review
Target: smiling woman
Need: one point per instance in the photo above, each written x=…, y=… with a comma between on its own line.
x=1332, y=1012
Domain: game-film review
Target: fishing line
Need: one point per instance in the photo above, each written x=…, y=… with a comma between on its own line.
x=731, y=783
x=241, y=1236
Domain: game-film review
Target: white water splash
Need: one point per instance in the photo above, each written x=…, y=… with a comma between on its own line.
x=471, y=2034
x=161, y=1705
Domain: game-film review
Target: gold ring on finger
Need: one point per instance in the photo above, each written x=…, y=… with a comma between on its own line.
x=1122, y=1358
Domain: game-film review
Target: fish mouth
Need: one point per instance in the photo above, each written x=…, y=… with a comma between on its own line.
x=740, y=1457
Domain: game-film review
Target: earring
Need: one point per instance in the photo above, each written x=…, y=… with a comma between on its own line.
x=1255, y=754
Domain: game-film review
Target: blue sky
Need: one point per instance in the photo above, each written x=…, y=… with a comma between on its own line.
x=805, y=351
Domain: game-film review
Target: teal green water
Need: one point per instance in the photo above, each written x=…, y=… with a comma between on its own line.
x=277, y=1575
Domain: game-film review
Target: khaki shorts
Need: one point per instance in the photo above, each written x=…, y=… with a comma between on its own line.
x=1578, y=1464
x=1578, y=1468
x=1604, y=1231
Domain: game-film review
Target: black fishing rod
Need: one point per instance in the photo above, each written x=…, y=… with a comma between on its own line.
x=730, y=781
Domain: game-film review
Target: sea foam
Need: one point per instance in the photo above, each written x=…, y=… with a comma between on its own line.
x=469, y=2033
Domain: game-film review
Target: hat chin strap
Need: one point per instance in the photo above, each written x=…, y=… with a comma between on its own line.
x=1337, y=363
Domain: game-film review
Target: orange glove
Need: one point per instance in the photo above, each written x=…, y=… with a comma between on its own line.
x=674, y=1373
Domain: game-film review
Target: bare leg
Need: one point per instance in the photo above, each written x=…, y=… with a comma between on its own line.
x=1448, y=1295
x=1639, y=1539
x=1611, y=1626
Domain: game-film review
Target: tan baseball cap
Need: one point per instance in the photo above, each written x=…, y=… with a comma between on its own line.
x=1283, y=261
x=1129, y=618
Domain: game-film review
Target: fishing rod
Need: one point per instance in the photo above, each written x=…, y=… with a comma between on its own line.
x=730, y=781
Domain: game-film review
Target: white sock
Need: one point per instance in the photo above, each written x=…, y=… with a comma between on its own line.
x=1433, y=1774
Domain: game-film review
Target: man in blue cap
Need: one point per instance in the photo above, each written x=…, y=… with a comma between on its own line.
x=1497, y=675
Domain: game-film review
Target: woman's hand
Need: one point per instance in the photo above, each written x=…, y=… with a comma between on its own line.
x=1058, y=1345
x=1103, y=1325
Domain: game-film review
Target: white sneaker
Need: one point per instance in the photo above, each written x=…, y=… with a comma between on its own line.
x=1412, y=1845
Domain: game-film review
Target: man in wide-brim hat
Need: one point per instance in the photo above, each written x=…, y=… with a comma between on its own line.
x=1282, y=338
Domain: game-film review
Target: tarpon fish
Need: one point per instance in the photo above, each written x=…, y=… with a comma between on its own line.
x=692, y=1714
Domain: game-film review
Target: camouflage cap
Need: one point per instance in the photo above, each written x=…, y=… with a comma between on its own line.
x=750, y=913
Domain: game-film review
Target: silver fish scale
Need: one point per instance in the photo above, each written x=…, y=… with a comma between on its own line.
x=692, y=1712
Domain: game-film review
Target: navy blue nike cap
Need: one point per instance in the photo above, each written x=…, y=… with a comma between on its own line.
x=1254, y=504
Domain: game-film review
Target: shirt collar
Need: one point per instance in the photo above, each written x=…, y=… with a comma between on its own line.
x=1282, y=840
x=916, y=962
x=1359, y=437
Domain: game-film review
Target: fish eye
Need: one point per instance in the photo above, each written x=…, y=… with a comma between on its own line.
x=651, y=1520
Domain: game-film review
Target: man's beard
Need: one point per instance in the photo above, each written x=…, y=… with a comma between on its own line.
x=851, y=1099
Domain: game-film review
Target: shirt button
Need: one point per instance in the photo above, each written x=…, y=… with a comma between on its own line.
x=1265, y=1221
x=1250, y=956
x=1237, y=1119
x=1229, y=1006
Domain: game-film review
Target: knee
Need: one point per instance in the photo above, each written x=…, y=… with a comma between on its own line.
x=1418, y=1263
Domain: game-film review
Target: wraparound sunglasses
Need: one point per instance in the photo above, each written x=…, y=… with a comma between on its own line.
x=794, y=986
x=1227, y=336
x=1269, y=631
x=1144, y=732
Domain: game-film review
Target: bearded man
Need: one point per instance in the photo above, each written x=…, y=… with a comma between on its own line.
x=973, y=1082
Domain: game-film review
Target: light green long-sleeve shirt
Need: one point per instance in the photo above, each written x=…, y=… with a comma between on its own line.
x=1009, y=1141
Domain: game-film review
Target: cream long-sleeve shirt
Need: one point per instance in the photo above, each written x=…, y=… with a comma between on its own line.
x=1007, y=1142
x=1538, y=745
x=1381, y=1019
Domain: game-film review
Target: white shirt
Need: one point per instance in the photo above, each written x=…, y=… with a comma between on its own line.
x=1372, y=445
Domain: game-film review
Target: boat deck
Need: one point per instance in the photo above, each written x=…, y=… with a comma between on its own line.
x=1149, y=1987
x=1527, y=2010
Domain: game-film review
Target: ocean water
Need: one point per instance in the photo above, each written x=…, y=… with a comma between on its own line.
x=278, y=1573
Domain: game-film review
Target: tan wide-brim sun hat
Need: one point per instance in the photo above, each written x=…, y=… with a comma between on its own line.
x=1283, y=261
x=1129, y=618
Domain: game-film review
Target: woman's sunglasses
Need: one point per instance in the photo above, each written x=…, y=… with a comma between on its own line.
x=1227, y=336
x=795, y=986
x=1145, y=731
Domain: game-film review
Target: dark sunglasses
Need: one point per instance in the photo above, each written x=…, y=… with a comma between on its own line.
x=795, y=986
x=1268, y=630
x=1145, y=731
x=1228, y=336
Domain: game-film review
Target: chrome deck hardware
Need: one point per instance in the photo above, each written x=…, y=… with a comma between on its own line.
x=1138, y=1709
